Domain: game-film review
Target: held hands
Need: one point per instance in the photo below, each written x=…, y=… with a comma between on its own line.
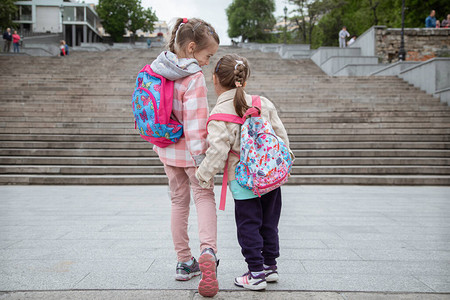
x=202, y=183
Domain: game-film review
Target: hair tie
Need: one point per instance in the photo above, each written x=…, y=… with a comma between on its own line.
x=185, y=20
x=238, y=62
x=238, y=84
x=218, y=65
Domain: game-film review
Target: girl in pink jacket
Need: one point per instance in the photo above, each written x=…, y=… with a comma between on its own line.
x=192, y=44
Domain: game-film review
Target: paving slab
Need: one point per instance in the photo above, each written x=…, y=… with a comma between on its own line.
x=222, y=295
x=114, y=242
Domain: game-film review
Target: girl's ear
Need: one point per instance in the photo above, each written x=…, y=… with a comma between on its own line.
x=214, y=79
x=191, y=48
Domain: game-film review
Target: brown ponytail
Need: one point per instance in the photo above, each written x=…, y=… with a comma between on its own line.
x=232, y=71
x=191, y=30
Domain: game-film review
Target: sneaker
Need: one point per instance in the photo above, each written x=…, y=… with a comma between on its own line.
x=271, y=273
x=253, y=283
x=208, y=285
x=185, y=272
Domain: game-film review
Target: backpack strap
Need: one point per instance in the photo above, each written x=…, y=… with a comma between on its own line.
x=226, y=118
x=255, y=110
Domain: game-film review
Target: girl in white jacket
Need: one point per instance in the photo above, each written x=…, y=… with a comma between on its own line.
x=256, y=217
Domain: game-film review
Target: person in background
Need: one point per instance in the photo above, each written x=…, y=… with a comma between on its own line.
x=66, y=48
x=438, y=24
x=62, y=48
x=352, y=40
x=446, y=22
x=343, y=34
x=7, y=38
x=430, y=21
x=16, y=40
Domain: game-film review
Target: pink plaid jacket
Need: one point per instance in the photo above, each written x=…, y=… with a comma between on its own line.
x=190, y=107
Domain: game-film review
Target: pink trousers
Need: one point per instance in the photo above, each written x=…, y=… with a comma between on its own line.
x=181, y=182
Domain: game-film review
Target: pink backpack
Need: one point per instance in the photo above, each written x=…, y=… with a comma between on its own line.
x=152, y=108
x=265, y=161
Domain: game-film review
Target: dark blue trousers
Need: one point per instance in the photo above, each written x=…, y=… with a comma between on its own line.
x=257, y=229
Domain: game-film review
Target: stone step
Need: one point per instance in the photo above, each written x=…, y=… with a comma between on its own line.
x=290, y=131
x=124, y=110
x=294, y=145
x=123, y=94
x=287, y=125
x=298, y=153
x=318, y=116
x=282, y=85
x=284, y=82
x=134, y=137
x=107, y=118
x=259, y=79
x=159, y=170
x=154, y=161
x=96, y=161
x=162, y=179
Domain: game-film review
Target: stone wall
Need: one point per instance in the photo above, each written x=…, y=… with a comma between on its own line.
x=420, y=43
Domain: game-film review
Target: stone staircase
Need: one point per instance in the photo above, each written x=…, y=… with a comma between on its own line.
x=68, y=121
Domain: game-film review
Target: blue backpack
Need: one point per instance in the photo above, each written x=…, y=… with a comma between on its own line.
x=152, y=108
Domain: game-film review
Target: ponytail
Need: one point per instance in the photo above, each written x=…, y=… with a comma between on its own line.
x=176, y=26
x=239, y=102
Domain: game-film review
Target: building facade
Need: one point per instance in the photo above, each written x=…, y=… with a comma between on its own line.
x=76, y=22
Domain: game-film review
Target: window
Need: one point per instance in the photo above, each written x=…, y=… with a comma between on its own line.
x=80, y=14
x=69, y=14
x=90, y=17
x=24, y=13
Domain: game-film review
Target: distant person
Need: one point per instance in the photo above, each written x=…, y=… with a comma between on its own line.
x=430, y=21
x=352, y=40
x=7, y=39
x=66, y=47
x=446, y=22
x=438, y=24
x=343, y=34
x=62, y=48
x=149, y=43
x=16, y=40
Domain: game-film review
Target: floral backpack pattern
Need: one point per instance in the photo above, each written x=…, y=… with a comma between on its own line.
x=152, y=108
x=265, y=162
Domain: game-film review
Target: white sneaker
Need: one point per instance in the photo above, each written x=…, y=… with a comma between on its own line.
x=252, y=283
x=271, y=273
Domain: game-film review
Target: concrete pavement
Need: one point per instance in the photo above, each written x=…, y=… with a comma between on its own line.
x=337, y=242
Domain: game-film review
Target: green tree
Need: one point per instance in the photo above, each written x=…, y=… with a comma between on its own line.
x=7, y=12
x=118, y=15
x=141, y=19
x=251, y=20
x=360, y=15
x=308, y=13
